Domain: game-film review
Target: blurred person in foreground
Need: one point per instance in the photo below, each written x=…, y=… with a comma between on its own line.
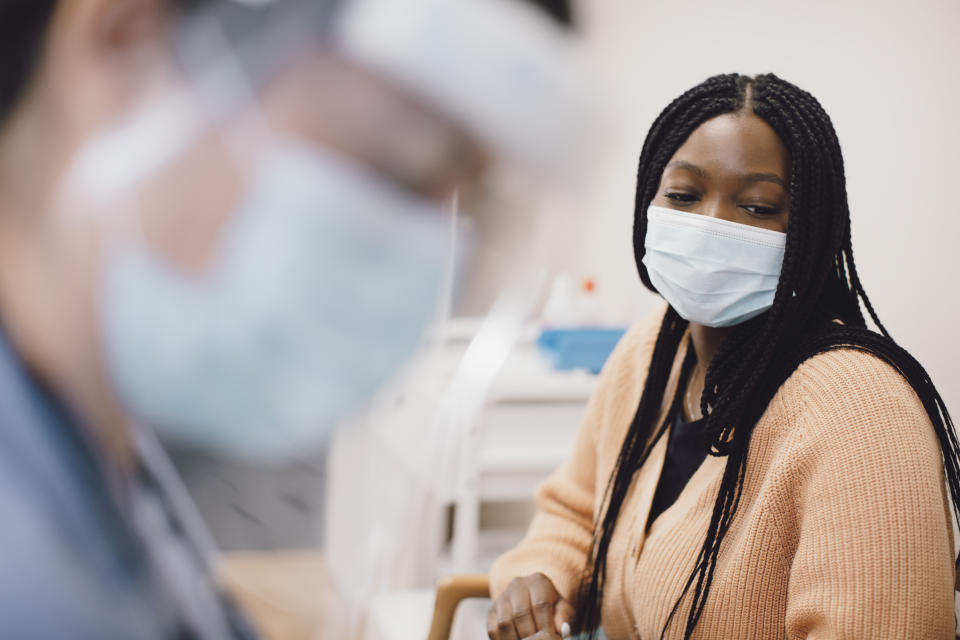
x=238, y=279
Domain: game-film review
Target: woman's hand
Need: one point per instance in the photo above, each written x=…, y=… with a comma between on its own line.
x=530, y=609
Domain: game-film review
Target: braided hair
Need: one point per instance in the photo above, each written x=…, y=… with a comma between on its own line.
x=816, y=308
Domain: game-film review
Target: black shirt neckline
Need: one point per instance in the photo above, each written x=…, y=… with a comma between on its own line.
x=687, y=448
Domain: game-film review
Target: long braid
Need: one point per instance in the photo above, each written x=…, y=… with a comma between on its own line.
x=633, y=454
x=858, y=287
x=818, y=284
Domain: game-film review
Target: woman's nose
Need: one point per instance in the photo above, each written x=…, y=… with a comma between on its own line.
x=718, y=209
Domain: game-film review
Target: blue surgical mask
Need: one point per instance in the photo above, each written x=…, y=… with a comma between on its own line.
x=714, y=272
x=322, y=283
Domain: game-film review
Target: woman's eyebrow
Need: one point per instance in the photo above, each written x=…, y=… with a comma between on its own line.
x=692, y=168
x=765, y=177
x=750, y=177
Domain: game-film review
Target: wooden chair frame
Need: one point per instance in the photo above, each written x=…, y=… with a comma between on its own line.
x=451, y=591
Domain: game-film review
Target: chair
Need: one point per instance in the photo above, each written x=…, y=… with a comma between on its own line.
x=450, y=592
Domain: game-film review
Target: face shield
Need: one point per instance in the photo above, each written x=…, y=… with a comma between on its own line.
x=284, y=215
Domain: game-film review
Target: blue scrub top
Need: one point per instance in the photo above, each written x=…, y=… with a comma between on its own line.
x=87, y=552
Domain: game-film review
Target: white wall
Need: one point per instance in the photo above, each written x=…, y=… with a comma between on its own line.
x=888, y=73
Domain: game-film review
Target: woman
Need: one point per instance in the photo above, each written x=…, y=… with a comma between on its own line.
x=756, y=462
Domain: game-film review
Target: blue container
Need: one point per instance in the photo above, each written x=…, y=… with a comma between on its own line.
x=586, y=348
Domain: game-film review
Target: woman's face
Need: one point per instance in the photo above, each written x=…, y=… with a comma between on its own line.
x=733, y=167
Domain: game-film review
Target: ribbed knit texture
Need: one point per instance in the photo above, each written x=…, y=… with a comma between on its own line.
x=843, y=529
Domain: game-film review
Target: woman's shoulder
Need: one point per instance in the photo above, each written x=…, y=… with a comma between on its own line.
x=858, y=393
x=848, y=376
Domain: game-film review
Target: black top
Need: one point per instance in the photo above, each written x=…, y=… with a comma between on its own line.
x=687, y=448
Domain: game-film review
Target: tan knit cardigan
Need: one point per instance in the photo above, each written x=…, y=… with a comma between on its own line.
x=843, y=528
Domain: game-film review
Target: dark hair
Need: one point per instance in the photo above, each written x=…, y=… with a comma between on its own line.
x=818, y=285
x=23, y=24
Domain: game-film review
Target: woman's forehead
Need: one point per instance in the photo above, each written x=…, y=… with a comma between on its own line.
x=734, y=144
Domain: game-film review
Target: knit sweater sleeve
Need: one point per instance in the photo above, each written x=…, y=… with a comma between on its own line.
x=874, y=543
x=559, y=538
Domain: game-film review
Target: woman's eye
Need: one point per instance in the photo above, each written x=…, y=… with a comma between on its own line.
x=685, y=198
x=759, y=209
